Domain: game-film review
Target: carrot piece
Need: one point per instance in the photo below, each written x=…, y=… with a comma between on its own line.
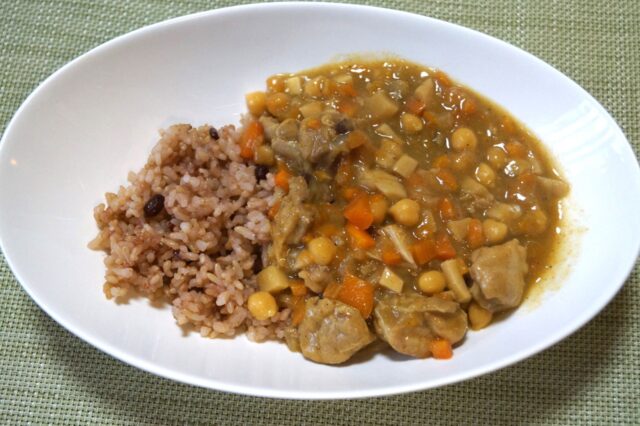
x=444, y=248
x=357, y=293
x=344, y=173
x=516, y=149
x=359, y=238
x=282, y=178
x=441, y=349
x=298, y=288
x=447, y=179
x=357, y=138
x=349, y=193
x=314, y=123
x=332, y=290
x=441, y=162
x=446, y=209
x=423, y=251
x=508, y=125
x=327, y=230
x=468, y=106
x=273, y=211
x=299, y=310
x=347, y=89
x=390, y=256
x=358, y=212
x=347, y=107
x=442, y=78
x=475, y=235
x=415, y=106
x=251, y=138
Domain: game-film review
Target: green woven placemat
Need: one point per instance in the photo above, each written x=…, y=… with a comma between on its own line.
x=49, y=376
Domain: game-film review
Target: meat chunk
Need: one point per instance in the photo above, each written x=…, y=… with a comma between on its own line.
x=498, y=273
x=316, y=277
x=409, y=322
x=331, y=331
x=292, y=220
x=474, y=196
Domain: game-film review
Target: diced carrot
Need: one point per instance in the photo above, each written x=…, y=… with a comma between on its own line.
x=390, y=256
x=508, y=125
x=423, y=251
x=359, y=238
x=447, y=179
x=332, y=290
x=347, y=107
x=444, y=248
x=344, y=173
x=297, y=287
x=357, y=293
x=347, y=89
x=475, y=235
x=299, y=310
x=516, y=149
x=415, y=180
x=314, y=123
x=273, y=210
x=328, y=230
x=275, y=84
x=415, y=106
x=442, y=162
x=442, y=78
x=430, y=117
x=282, y=178
x=446, y=209
x=441, y=349
x=350, y=193
x=357, y=138
x=468, y=106
x=251, y=138
x=358, y=212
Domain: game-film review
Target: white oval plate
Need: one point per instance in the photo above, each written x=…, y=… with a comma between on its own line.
x=95, y=119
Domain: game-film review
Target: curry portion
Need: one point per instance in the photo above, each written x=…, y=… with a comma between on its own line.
x=409, y=208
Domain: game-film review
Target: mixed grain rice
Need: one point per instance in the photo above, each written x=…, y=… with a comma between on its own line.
x=198, y=253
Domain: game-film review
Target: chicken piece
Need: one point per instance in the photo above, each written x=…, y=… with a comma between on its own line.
x=331, y=331
x=498, y=273
x=474, y=196
x=409, y=322
x=292, y=220
x=316, y=277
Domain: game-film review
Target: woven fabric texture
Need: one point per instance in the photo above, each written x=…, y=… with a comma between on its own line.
x=48, y=376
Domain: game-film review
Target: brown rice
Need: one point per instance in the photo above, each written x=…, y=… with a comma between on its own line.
x=198, y=253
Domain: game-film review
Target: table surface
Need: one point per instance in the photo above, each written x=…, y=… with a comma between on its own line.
x=48, y=375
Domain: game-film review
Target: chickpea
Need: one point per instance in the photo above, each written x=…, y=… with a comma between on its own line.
x=322, y=250
x=256, y=102
x=494, y=231
x=406, y=212
x=479, y=317
x=379, y=206
x=262, y=305
x=431, y=282
x=496, y=157
x=278, y=103
x=410, y=123
x=485, y=175
x=463, y=138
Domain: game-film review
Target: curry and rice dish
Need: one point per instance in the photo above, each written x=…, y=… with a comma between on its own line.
x=359, y=201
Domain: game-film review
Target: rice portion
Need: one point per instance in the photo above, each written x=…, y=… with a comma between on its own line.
x=198, y=252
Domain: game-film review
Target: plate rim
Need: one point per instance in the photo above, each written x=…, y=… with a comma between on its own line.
x=212, y=383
